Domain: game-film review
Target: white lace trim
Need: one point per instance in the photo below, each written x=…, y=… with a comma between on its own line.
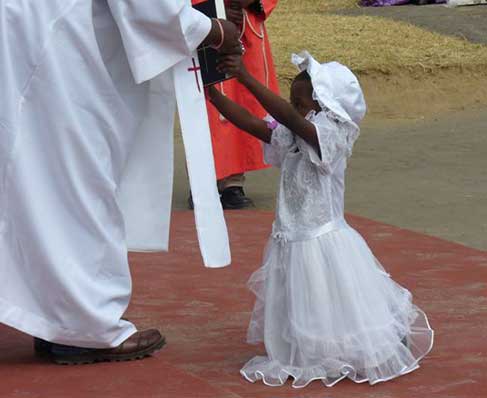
x=346, y=372
x=311, y=187
x=272, y=373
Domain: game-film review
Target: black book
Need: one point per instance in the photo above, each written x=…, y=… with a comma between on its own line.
x=208, y=56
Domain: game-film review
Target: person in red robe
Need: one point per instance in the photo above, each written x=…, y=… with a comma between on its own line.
x=236, y=153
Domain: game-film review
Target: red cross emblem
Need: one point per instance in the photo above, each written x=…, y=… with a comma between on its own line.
x=195, y=69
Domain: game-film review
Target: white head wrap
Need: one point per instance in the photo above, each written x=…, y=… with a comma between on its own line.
x=334, y=87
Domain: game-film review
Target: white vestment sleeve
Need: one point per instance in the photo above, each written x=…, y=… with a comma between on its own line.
x=157, y=34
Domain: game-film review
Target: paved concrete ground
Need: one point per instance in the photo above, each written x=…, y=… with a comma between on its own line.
x=429, y=176
x=205, y=313
x=466, y=22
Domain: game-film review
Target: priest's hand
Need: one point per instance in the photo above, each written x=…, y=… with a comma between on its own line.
x=225, y=37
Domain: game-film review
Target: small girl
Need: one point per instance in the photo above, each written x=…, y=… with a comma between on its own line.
x=326, y=309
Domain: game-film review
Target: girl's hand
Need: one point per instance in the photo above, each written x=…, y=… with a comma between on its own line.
x=232, y=65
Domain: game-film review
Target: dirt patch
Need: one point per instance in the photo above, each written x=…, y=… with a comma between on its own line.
x=407, y=71
x=410, y=96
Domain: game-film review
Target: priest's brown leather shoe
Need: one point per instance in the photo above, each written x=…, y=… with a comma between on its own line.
x=138, y=346
x=42, y=348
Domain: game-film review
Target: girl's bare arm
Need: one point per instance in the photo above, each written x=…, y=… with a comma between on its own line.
x=239, y=116
x=280, y=109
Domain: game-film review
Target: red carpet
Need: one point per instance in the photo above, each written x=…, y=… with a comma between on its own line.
x=204, y=314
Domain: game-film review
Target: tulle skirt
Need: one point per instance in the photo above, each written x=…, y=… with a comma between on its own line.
x=326, y=310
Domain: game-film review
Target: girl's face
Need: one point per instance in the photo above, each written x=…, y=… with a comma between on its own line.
x=302, y=97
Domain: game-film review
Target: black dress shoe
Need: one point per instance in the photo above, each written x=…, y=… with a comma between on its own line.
x=234, y=198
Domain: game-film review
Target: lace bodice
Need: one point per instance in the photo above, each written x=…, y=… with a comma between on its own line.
x=311, y=191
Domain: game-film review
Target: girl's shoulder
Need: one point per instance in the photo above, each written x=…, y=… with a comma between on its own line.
x=336, y=136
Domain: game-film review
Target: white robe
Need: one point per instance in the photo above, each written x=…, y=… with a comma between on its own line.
x=86, y=158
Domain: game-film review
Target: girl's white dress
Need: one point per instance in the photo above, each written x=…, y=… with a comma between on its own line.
x=326, y=309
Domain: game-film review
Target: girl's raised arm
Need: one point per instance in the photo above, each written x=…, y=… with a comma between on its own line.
x=239, y=116
x=278, y=108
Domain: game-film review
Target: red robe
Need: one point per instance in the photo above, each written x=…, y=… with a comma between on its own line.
x=236, y=152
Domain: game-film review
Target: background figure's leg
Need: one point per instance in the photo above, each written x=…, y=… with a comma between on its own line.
x=235, y=180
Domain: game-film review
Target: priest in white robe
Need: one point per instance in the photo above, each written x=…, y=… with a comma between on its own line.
x=88, y=90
